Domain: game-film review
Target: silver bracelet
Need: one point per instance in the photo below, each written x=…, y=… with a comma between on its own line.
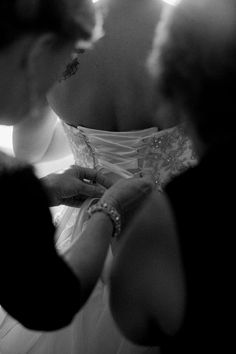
x=111, y=212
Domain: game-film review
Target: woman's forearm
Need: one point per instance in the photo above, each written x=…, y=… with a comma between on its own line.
x=36, y=139
x=87, y=254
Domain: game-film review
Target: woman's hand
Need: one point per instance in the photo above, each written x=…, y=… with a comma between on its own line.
x=127, y=195
x=74, y=185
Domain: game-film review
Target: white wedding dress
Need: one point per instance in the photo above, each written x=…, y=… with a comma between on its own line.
x=162, y=154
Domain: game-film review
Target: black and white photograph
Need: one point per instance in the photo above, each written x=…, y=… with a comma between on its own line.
x=117, y=198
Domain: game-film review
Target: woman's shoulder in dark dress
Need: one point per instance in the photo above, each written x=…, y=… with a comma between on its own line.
x=35, y=281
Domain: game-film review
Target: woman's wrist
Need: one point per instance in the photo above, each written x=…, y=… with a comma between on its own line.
x=110, y=212
x=49, y=187
x=102, y=220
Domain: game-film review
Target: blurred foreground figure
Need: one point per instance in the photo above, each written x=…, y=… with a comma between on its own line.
x=172, y=283
x=37, y=38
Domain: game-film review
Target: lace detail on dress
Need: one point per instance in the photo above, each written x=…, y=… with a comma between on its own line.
x=168, y=153
x=82, y=149
x=163, y=154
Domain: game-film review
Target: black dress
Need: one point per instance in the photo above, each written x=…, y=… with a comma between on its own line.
x=35, y=281
x=203, y=200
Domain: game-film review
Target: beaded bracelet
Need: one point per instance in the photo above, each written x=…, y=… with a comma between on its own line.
x=111, y=212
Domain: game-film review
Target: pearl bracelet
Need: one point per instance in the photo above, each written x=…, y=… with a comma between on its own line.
x=111, y=212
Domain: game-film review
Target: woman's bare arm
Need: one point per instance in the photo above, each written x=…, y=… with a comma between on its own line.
x=40, y=138
x=147, y=285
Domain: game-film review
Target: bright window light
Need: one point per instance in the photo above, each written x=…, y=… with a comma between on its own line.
x=6, y=138
x=172, y=2
x=95, y=1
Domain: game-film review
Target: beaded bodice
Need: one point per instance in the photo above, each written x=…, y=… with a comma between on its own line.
x=160, y=153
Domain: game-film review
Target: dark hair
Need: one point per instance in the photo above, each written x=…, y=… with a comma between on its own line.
x=62, y=17
x=196, y=65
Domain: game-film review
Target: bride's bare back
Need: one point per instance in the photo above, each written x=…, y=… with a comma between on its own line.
x=111, y=89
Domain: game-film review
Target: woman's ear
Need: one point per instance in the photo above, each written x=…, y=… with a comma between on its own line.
x=46, y=62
